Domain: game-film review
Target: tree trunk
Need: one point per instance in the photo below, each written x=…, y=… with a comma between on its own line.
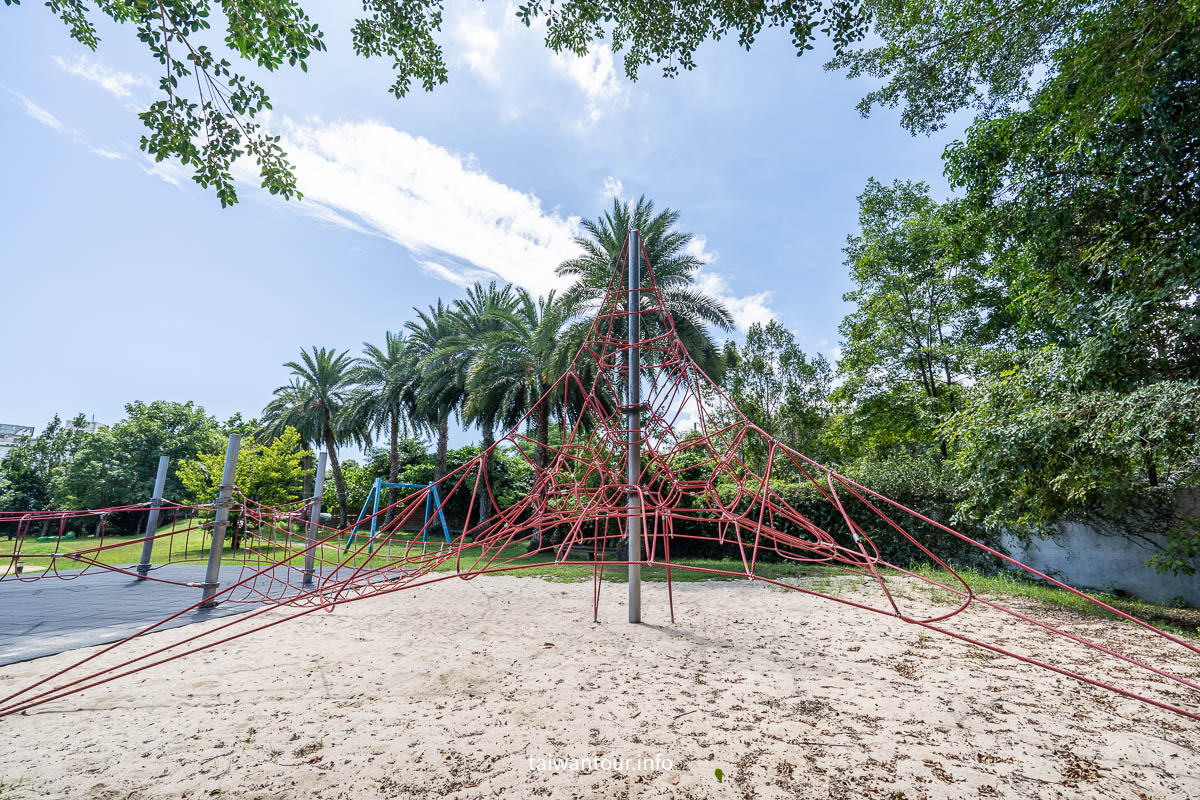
x=542, y=415
x=393, y=465
x=439, y=468
x=485, y=497
x=1151, y=469
x=331, y=448
x=541, y=457
x=306, y=465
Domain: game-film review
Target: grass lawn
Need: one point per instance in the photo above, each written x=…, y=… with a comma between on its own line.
x=194, y=549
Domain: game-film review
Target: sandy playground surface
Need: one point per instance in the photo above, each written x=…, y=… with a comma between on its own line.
x=471, y=689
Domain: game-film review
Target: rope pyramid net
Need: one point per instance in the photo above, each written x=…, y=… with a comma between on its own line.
x=694, y=481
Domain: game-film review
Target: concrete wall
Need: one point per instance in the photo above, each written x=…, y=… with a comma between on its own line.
x=1087, y=556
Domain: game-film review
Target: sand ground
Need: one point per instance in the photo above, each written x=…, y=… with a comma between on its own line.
x=466, y=689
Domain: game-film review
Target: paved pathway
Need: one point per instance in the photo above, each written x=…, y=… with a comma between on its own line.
x=49, y=615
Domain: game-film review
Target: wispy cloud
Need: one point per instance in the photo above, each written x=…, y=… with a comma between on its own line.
x=745, y=309
x=44, y=117
x=479, y=43
x=37, y=113
x=114, y=81
x=594, y=75
x=460, y=224
x=613, y=188
x=494, y=45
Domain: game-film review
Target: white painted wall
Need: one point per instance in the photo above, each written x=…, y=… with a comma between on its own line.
x=1089, y=557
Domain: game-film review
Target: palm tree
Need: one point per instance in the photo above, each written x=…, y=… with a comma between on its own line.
x=520, y=361
x=438, y=384
x=674, y=271
x=476, y=316
x=385, y=398
x=326, y=378
x=288, y=409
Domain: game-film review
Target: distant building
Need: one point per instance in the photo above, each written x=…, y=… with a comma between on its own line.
x=11, y=436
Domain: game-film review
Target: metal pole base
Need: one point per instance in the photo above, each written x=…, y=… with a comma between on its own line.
x=210, y=590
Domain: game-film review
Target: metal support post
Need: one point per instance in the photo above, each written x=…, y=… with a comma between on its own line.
x=221, y=521
x=160, y=484
x=633, y=400
x=314, y=519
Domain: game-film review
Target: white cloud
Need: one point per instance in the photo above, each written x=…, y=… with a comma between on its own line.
x=44, y=117
x=697, y=247
x=117, y=83
x=523, y=76
x=104, y=152
x=168, y=170
x=38, y=113
x=459, y=223
x=595, y=76
x=480, y=43
x=612, y=189
x=746, y=309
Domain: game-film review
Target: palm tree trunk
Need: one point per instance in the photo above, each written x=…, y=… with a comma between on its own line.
x=543, y=434
x=439, y=468
x=485, y=499
x=541, y=456
x=306, y=465
x=331, y=448
x=393, y=465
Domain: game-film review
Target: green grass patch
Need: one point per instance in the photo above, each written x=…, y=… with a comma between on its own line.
x=1012, y=584
x=194, y=547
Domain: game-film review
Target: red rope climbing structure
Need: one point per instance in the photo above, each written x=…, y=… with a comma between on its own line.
x=697, y=481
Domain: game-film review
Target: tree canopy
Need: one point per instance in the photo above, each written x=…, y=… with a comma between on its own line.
x=932, y=56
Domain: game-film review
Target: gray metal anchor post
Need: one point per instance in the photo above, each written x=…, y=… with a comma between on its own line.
x=160, y=483
x=633, y=399
x=221, y=521
x=314, y=519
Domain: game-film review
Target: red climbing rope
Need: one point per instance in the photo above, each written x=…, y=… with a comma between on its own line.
x=697, y=482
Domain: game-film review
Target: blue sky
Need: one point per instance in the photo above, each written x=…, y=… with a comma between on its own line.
x=125, y=281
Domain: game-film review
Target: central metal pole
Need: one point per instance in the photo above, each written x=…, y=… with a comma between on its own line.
x=633, y=400
x=221, y=521
x=314, y=520
x=160, y=485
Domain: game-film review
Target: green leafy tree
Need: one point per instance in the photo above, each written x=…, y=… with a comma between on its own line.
x=1092, y=208
x=270, y=473
x=359, y=479
x=206, y=110
x=934, y=57
x=778, y=388
x=1039, y=444
x=33, y=470
x=117, y=465
x=1088, y=199
x=924, y=310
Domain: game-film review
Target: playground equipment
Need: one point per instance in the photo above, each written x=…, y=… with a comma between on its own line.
x=372, y=501
x=652, y=453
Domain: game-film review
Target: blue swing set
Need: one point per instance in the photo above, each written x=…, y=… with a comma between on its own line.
x=432, y=501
